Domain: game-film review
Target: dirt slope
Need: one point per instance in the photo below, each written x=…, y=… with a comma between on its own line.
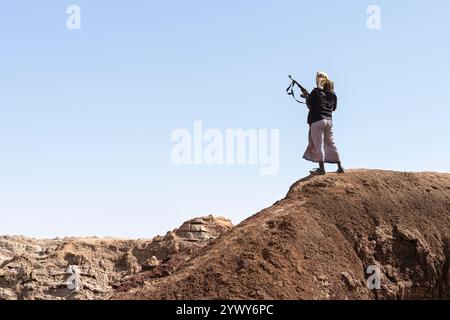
x=318, y=241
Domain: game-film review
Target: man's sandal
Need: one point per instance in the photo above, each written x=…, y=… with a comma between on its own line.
x=318, y=171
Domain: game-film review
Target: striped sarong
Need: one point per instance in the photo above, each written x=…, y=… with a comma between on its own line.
x=321, y=147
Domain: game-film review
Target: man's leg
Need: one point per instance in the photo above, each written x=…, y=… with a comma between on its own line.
x=322, y=166
x=317, y=135
x=330, y=150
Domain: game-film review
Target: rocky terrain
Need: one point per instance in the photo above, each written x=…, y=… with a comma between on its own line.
x=91, y=268
x=323, y=240
x=326, y=239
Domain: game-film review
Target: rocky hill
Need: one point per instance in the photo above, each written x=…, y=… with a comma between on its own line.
x=46, y=269
x=328, y=238
x=324, y=240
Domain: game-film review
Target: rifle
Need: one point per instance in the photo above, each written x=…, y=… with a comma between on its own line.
x=290, y=90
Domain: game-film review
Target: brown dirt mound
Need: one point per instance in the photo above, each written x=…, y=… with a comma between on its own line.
x=318, y=241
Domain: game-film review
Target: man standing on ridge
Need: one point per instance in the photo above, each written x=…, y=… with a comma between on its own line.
x=322, y=102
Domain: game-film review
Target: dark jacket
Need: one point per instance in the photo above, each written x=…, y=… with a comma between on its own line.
x=321, y=105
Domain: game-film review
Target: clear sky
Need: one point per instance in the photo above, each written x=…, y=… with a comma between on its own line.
x=86, y=116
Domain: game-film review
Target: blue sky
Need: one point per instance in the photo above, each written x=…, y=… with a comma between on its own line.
x=86, y=115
